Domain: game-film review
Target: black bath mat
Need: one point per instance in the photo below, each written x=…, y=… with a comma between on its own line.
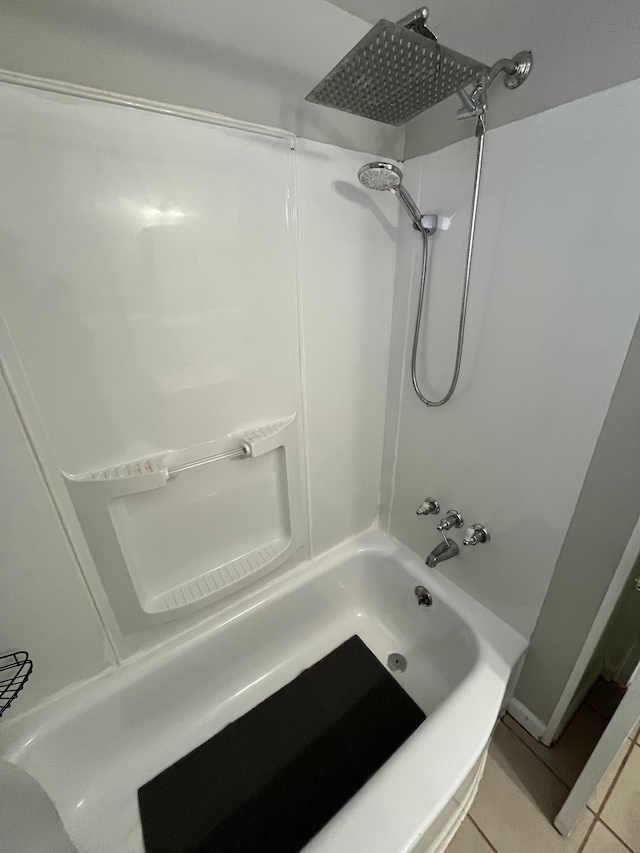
x=269, y=781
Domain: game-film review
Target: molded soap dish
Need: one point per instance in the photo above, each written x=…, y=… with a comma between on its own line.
x=15, y=669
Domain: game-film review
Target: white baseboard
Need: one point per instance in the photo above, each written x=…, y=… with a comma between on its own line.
x=534, y=725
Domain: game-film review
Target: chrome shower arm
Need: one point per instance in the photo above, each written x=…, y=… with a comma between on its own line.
x=506, y=65
x=515, y=72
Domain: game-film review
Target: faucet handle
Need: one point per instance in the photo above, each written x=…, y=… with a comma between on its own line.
x=452, y=519
x=429, y=506
x=476, y=534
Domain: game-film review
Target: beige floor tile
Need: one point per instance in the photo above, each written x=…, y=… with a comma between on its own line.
x=468, y=840
x=622, y=812
x=603, y=841
x=569, y=755
x=605, y=697
x=518, y=798
x=605, y=783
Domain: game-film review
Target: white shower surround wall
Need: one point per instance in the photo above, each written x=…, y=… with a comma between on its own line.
x=510, y=450
x=152, y=340
x=553, y=305
x=345, y=304
x=91, y=763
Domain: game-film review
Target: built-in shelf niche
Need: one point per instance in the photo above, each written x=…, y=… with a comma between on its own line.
x=189, y=527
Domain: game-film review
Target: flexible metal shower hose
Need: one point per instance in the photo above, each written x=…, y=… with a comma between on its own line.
x=480, y=132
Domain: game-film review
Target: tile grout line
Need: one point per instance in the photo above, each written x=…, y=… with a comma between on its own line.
x=597, y=815
x=615, y=779
x=493, y=849
x=555, y=775
x=588, y=833
x=615, y=835
x=541, y=760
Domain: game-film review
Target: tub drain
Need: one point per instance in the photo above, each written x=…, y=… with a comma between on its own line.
x=397, y=662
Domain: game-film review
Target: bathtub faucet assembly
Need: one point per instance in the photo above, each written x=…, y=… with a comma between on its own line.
x=447, y=548
x=475, y=535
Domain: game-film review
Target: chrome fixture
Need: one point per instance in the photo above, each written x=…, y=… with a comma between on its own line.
x=386, y=176
x=515, y=72
x=444, y=551
x=417, y=21
x=452, y=519
x=424, y=596
x=245, y=450
x=392, y=75
x=381, y=175
x=447, y=548
x=429, y=506
x=398, y=71
x=476, y=534
x=480, y=132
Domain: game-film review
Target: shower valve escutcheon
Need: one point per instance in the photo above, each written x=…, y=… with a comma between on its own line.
x=476, y=534
x=451, y=519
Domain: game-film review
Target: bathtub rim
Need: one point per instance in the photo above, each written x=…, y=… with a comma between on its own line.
x=493, y=636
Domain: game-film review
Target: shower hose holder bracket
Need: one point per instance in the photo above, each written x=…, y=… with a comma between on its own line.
x=432, y=222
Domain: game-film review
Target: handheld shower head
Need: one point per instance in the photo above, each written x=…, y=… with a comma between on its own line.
x=386, y=176
x=380, y=176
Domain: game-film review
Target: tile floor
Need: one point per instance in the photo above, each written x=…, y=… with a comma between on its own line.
x=525, y=784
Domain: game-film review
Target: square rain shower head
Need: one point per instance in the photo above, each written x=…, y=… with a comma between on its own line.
x=393, y=74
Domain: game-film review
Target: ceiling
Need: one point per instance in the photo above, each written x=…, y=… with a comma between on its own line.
x=579, y=48
x=373, y=10
x=216, y=55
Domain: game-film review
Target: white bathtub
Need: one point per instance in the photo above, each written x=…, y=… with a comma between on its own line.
x=93, y=748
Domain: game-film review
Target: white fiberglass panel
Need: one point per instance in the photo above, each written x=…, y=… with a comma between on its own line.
x=148, y=275
x=204, y=518
x=150, y=311
x=553, y=305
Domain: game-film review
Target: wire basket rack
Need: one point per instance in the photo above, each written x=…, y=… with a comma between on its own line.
x=15, y=669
